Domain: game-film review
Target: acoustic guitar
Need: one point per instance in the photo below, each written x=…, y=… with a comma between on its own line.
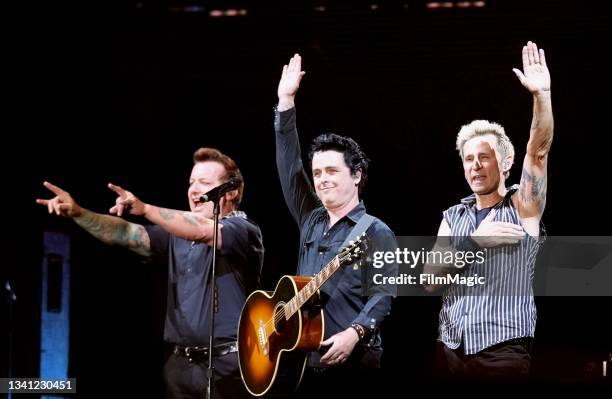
x=276, y=330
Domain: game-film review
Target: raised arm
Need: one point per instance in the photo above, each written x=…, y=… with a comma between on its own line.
x=108, y=229
x=531, y=199
x=297, y=190
x=187, y=225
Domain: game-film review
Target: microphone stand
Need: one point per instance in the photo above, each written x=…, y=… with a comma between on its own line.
x=213, y=303
x=11, y=299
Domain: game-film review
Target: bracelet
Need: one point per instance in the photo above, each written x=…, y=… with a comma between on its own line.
x=359, y=329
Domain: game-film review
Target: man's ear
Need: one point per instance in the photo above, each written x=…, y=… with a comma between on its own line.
x=507, y=164
x=231, y=195
x=357, y=177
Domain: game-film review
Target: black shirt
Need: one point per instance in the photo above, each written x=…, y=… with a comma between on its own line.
x=239, y=263
x=345, y=301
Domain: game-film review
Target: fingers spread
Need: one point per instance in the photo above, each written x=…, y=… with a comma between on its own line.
x=56, y=190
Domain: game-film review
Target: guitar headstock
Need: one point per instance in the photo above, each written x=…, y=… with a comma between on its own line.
x=355, y=251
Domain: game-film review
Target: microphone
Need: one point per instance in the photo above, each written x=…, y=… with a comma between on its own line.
x=219, y=191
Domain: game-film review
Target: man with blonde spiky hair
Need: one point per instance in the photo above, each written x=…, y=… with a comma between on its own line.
x=486, y=332
x=482, y=128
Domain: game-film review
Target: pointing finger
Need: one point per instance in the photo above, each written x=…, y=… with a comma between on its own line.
x=116, y=189
x=55, y=189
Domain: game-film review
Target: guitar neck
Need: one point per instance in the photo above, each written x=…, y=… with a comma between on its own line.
x=313, y=286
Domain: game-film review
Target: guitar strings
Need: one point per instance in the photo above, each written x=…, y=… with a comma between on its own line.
x=278, y=316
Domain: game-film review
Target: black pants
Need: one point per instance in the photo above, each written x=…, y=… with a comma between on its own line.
x=340, y=383
x=505, y=362
x=185, y=380
x=360, y=377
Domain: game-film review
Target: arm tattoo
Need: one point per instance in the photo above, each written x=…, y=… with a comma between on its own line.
x=192, y=219
x=535, y=123
x=138, y=240
x=102, y=227
x=115, y=231
x=533, y=189
x=166, y=214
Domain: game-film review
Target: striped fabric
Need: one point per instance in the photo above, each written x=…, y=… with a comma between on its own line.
x=503, y=308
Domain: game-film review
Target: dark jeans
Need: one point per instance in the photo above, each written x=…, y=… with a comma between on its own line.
x=185, y=380
x=360, y=377
x=505, y=362
x=341, y=383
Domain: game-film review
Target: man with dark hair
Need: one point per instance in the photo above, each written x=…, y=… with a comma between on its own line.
x=184, y=241
x=354, y=157
x=326, y=216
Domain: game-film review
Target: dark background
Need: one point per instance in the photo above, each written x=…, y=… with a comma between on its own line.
x=102, y=92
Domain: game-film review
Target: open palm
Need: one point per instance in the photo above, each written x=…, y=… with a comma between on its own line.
x=291, y=77
x=535, y=76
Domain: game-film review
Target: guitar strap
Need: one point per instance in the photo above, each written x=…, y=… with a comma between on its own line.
x=362, y=225
x=364, y=222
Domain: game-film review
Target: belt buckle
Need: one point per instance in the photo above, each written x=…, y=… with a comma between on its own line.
x=187, y=353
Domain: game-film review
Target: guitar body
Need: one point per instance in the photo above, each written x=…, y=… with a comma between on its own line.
x=271, y=349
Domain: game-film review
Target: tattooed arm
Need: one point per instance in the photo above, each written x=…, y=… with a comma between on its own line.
x=108, y=229
x=115, y=231
x=188, y=225
x=531, y=198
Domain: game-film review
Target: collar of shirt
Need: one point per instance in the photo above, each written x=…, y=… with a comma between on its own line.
x=354, y=215
x=470, y=200
x=235, y=214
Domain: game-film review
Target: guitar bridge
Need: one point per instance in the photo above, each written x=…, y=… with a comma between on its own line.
x=262, y=337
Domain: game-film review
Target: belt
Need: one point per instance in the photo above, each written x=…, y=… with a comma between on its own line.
x=200, y=353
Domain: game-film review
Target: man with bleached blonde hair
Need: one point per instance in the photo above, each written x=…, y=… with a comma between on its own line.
x=481, y=127
x=486, y=331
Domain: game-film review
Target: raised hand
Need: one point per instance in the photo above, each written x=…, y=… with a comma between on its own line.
x=491, y=234
x=126, y=202
x=62, y=204
x=290, y=80
x=535, y=76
